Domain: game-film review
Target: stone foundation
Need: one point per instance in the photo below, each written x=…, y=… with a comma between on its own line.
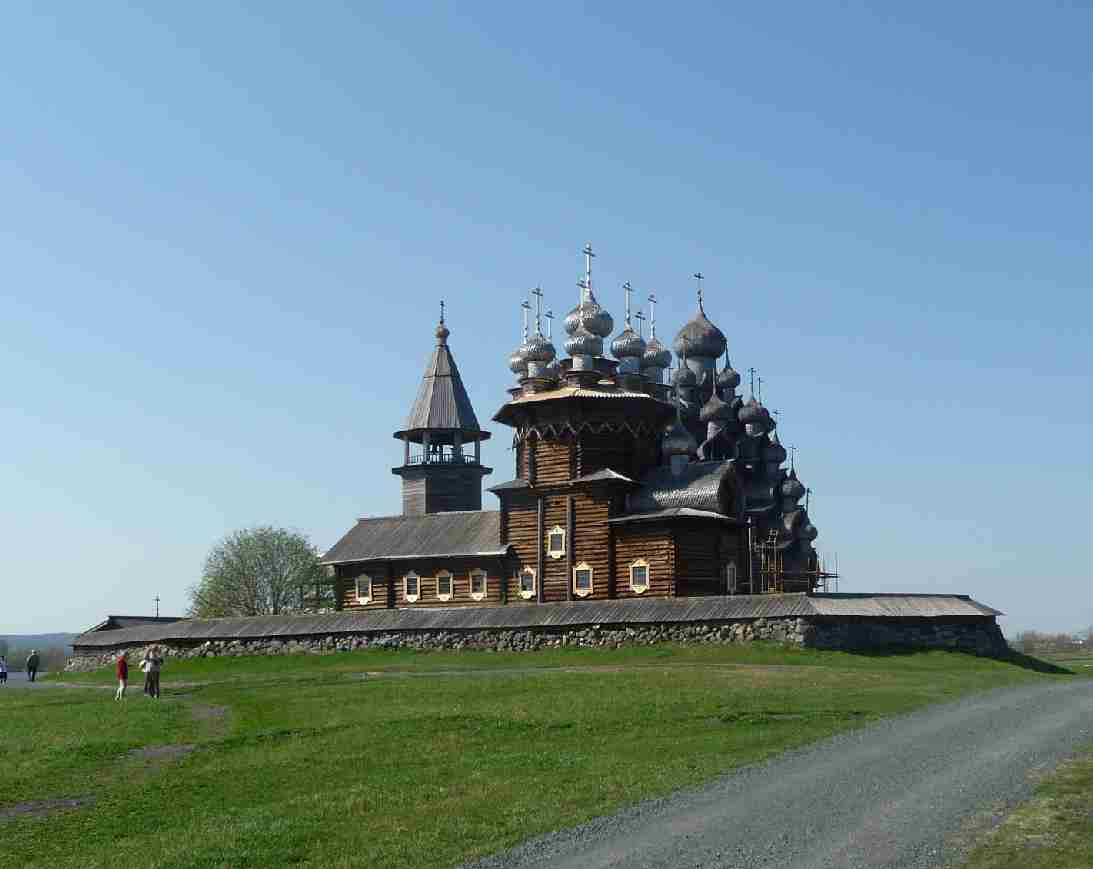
x=979, y=636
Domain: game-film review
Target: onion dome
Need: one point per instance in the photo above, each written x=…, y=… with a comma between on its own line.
x=678, y=441
x=582, y=342
x=715, y=410
x=792, y=488
x=753, y=413
x=700, y=337
x=538, y=349
x=590, y=314
x=728, y=379
x=656, y=355
x=442, y=333
x=684, y=378
x=628, y=344
x=775, y=452
x=810, y=532
x=518, y=363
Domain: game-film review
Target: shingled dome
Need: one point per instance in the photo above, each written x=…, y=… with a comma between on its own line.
x=700, y=338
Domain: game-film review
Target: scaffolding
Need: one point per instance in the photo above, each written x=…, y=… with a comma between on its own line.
x=769, y=576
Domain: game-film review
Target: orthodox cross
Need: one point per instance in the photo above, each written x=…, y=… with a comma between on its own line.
x=550, y=321
x=751, y=381
x=700, y=276
x=538, y=293
x=628, y=290
x=652, y=315
x=793, y=458
x=527, y=307
x=442, y=311
x=157, y=596
x=640, y=317
x=588, y=265
x=807, y=493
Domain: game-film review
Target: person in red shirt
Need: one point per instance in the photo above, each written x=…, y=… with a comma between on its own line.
x=123, y=675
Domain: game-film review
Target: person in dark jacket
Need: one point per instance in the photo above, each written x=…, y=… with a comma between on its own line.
x=122, y=670
x=32, y=665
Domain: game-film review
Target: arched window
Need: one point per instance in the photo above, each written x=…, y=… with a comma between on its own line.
x=411, y=587
x=445, y=587
x=364, y=589
x=527, y=583
x=730, y=577
x=478, y=584
x=582, y=580
x=556, y=542
x=639, y=576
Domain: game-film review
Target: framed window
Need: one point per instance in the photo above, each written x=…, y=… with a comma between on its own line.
x=730, y=577
x=478, y=584
x=527, y=583
x=444, y=585
x=364, y=589
x=582, y=580
x=639, y=576
x=556, y=542
x=411, y=587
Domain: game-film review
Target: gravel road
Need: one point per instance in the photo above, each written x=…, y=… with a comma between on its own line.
x=906, y=793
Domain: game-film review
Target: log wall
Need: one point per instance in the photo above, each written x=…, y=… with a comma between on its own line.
x=426, y=569
x=654, y=544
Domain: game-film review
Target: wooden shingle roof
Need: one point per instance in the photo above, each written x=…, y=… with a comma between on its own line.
x=454, y=534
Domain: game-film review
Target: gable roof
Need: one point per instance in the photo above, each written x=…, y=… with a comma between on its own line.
x=699, y=486
x=442, y=401
x=463, y=533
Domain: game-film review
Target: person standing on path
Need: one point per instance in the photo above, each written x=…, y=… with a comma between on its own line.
x=3, y=670
x=151, y=666
x=123, y=675
x=32, y=665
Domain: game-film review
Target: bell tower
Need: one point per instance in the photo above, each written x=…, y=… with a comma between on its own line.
x=442, y=467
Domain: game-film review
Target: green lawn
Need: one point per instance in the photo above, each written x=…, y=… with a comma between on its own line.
x=433, y=758
x=1053, y=830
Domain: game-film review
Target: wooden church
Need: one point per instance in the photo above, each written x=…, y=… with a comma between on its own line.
x=628, y=483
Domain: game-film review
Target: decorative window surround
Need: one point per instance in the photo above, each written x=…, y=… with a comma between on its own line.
x=730, y=577
x=639, y=576
x=582, y=580
x=411, y=587
x=478, y=584
x=526, y=580
x=556, y=542
x=364, y=589
x=445, y=585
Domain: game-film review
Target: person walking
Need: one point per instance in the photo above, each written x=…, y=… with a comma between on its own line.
x=32, y=665
x=3, y=670
x=122, y=670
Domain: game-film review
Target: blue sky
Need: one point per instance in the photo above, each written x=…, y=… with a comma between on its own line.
x=225, y=231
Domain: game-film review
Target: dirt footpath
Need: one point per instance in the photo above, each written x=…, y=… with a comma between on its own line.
x=905, y=793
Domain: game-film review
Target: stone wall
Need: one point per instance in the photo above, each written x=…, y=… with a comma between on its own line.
x=978, y=636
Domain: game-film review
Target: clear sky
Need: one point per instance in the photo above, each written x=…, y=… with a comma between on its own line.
x=224, y=231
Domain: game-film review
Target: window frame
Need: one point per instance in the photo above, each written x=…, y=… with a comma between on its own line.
x=556, y=553
x=731, y=577
x=641, y=562
x=362, y=598
x=527, y=571
x=406, y=596
x=578, y=568
x=479, y=595
x=451, y=585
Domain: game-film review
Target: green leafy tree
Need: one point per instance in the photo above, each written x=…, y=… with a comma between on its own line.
x=261, y=571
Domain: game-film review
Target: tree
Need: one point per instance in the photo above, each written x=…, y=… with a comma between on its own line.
x=261, y=571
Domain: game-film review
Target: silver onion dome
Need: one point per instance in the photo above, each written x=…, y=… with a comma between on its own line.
x=656, y=355
x=728, y=379
x=684, y=378
x=678, y=441
x=628, y=344
x=700, y=337
x=582, y=342
x=539, y=349
x=774, y=452
x=590, y=314
x=753, y=413
x=518, y=363
x=792, y=488
x=715, y=410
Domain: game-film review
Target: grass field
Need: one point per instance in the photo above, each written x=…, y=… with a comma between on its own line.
x=416, y=760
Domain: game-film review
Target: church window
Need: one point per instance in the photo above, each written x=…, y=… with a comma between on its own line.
x=730, y=577
x=582, y=580
x=556, y=542
x=639, y=576
x=478, y=584
x=411, y=587
x=364, y=589
x=527, y=583
x=444, y=585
